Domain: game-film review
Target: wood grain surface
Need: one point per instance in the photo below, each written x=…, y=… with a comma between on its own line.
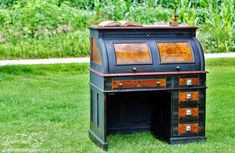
x=138, y=83
x=173, y=52
x=182, y=128
x=95, y=57
x=132, y=53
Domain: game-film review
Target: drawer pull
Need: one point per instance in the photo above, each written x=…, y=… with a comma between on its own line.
x=188, y=128
x=189, y=82
x=189, y=96
x=120, y=84
x=158, y=83
x=139, y=85
x=134, y=69
x=188, y=112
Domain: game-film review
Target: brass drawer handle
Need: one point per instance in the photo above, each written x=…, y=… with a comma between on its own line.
x=188, y=112
x=188, y=128
x=139, y=85
x=158, y=83
x=189, y=82
x=189, y=96
x=120, y=84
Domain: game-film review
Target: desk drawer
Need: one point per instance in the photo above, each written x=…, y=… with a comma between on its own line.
x=139, y=83
x=189, y=82
x=188, y=96
x=188, y=128
x=185, y=113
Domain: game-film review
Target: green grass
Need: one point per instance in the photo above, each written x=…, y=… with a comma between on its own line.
x=45, y=108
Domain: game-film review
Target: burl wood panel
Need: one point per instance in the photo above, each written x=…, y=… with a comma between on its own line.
x=173, y=52
x=132, y=53
x=183, y=112
x=182, y=81
x=182, y=96
x=138, y=83
x=95, y=57
x=182, y=128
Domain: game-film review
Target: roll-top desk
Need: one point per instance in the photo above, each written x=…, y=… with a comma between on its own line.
x=147, y=78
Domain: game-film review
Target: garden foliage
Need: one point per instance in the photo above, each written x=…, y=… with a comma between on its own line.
x=58, y=28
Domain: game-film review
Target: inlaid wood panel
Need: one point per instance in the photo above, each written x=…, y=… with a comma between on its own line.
x=174, y=52
x=95, y=57
x=183, y=81
x=132, y=53
x=138, y=83
x=188, y=96
x=187, y=128
x=188, y=112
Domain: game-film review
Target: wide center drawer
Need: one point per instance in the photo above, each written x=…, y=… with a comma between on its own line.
x=139, y=83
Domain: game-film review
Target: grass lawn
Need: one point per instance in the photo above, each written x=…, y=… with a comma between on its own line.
x=45, y=108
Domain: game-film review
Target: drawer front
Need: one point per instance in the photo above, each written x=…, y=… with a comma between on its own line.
x=189, y=82
x=188, y=128
x=188, y=113
x=188, y=96
x=144, y=83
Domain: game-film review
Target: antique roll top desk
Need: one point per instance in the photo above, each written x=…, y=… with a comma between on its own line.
x=147, y=78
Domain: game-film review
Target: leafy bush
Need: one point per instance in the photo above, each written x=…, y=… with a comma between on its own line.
x=52, y=28
x=149, y=15
x=36, y=16
x=127, y=11
x=219, y=27
x=73, y=44
x=81, y=4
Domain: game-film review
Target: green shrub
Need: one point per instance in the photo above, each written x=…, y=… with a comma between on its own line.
x=149, y=15
x=132, y=11
x=81, y=4
x=73, y=44
x=219, y=27
x=56, y=28
x=39, y=14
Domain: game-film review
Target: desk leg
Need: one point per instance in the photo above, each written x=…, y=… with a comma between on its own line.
x=97, y=132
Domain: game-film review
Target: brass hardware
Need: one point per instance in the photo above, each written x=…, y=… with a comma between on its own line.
x=188, y=112
x=158, y=83
x=189, y=82
x=175, y=19
x=139, y=84
x=134, y=68
x=188, y=95
x=120, y=84
x=188, y=128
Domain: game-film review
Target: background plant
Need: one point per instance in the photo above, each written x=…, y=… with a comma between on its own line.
x=47, y=28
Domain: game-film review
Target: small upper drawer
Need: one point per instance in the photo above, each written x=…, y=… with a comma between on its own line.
x=188, y=96
x=188, y=113
x=139, y=83
x=189, y=82
x=188, y=128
